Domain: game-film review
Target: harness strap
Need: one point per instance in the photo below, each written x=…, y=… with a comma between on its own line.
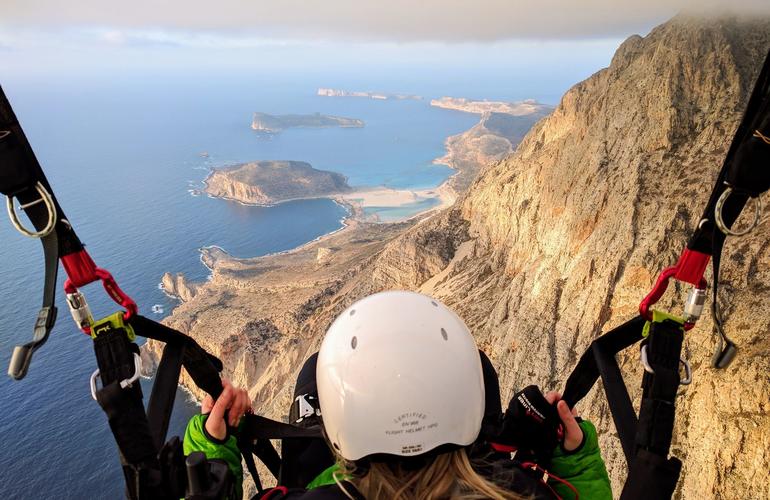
x=599, y=361
x=657, y=409
x=46, y=317
x=744, y=168
x=125, y=412
x=164, y=389
x=202, y=367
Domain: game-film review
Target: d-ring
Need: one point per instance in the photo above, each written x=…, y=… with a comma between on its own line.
x=721, y=223
x=45, y=197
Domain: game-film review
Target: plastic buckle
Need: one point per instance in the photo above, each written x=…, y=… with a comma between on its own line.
x=305, y=408
x=128, y=382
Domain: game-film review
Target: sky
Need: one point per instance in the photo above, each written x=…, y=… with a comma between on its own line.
x=555, y=40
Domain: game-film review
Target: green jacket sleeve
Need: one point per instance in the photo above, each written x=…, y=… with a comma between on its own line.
x=197, y=439
x=583, y=468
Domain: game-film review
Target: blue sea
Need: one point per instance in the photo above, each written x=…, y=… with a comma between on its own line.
x=123, y=158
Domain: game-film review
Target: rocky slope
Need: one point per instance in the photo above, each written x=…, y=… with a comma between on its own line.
x=552, y=246
x=495, y=137
x=177, y=286
x=269, y=182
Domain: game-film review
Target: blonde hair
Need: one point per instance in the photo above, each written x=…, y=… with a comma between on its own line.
x=448, y=476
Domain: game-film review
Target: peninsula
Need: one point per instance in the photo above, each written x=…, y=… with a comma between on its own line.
x=271, y=182
x=383, y=96
x=273, y=124
x=518, y=108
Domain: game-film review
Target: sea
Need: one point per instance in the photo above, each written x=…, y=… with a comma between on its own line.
x=125, y=159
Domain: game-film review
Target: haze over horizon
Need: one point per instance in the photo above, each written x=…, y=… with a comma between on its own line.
x=391, y=46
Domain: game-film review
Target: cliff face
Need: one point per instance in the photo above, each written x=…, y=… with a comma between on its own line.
x=177, y=286
x=568, y=234
x=556, y=244
x=495, y=137
x=269, y=182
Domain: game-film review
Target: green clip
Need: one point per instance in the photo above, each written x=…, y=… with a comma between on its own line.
x=110, y=323
x=659, y=317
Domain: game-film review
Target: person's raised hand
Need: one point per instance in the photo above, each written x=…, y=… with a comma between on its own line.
x=234, y=401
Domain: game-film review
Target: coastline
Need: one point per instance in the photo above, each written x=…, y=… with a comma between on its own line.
x=361, y=198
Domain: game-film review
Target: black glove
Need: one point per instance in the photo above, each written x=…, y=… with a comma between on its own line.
x=531, y=425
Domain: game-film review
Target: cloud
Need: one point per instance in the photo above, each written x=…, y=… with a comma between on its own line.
x=381, y=20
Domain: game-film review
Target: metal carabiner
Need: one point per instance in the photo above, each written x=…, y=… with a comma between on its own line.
x=123, y=383
x=45, y=197
x=687, y=380
x=720, y=204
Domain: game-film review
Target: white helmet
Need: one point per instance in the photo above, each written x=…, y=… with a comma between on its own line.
x=399, y=373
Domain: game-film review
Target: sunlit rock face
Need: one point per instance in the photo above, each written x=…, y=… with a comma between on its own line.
x=552, y=246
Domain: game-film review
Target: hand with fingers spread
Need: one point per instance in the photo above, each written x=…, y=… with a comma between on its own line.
x=227, y=410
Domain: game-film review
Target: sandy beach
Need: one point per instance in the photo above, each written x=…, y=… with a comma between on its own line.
x=384, y=197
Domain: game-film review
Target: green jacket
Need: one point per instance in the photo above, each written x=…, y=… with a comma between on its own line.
x=583, y=467
x=197, y=439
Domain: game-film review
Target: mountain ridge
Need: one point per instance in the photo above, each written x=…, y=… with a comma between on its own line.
x=552, y=246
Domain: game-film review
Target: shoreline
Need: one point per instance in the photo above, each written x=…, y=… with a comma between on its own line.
x=360, y=198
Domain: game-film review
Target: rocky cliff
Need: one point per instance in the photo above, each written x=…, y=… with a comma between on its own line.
x=270, y=182
x=177, y=286
x=552, y=246
x=495, y=137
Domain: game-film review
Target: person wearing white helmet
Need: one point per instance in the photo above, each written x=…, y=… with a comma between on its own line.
x=410, y=408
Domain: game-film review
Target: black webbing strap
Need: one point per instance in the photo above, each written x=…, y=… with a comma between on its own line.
x=259, y=427
x=164, y=390
x=247, y=451
x=745, y=168
x=202, y=367
x=651, y=477
x=657, y=410
x=20, y=172
x=46, y=317
x=646, y=440
x=125, y=412
x=599, y=361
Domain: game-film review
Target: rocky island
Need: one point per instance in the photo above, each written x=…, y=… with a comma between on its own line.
x=273, y=124
x=271, y=182
x=382, y=96
x=548, y=248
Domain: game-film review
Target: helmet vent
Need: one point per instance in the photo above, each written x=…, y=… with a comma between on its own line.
x=336, y=446
x=354, y=342
x=434, y=303
x=352, y=312
x=444, y=334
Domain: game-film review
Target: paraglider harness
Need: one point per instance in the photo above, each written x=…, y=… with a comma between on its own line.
x=156, y=468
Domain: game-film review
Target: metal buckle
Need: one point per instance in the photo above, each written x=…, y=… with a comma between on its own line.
x=45, y=197
x=721, y=223
x=687, y=380
x=128, y=382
